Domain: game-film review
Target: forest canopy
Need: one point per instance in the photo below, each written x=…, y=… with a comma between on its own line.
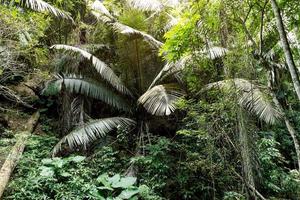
x=149, y=99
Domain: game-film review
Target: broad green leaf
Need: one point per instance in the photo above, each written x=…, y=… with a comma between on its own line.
x=124, y=182
x=115, y=179
x=128, y=193
x=103, y=179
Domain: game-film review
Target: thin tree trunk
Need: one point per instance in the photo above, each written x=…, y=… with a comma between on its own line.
x=245, y=149
x=288, y=125
x=16, y=152
x=286, y=48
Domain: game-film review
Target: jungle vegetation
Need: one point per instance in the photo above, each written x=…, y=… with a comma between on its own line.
x=150, y=99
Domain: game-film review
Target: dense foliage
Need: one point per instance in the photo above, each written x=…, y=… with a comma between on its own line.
x=152, y=99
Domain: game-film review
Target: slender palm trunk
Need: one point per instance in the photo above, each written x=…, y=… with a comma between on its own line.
x=286, y=48
x=288, y=125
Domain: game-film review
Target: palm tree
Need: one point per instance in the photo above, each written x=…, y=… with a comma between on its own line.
x=108, y=88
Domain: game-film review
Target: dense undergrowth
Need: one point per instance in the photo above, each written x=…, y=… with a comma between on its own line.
x=154, y=100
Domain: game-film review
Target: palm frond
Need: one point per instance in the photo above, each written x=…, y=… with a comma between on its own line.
x=251, y=98
x=42, y=6
x=89, y=88
x=146, y=5
x=105, y=71
x=92, y=131
x=152, y=5
x=216, y=52
x=102, y=15
x=170, y=69
x=98, y=6
x=160, y=100
x=127, y=30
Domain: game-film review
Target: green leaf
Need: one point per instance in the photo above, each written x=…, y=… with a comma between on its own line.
x=77, y=159
x=115, y=179
x=47, y=161
x=103, y=179
x=128, y=193
x=46, y=171
x=124, y=182
x=105, y=188
x=58, y=162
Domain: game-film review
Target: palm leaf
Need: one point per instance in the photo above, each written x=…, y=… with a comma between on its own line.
x=251, y=98
x=102, y=15
x=41, y=6
x=146, y=5
x=216, y=52
x=152, y=5
x=89, y=88
x=160, y=100
x=83, y=135
x=169, y=69
x=105, y=71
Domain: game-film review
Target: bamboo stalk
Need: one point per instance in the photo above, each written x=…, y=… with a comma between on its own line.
x=16, y=152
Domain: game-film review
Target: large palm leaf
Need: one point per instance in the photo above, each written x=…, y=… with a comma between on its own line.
x=92, y=131
x=105, y=71
x=89, y=88
x=40, y=6
x=169, y=69
x=102, y=14
x=251, y=98
x=160, y=100
x=152, y=5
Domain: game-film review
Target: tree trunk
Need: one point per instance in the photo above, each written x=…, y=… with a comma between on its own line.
x=288, y=125
x=286, y=48
x=245, y=149
x=16, y=152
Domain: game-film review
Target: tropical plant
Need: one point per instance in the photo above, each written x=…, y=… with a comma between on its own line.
x=159, y=100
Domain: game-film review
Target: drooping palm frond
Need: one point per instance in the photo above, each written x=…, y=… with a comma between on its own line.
x=41, y=6
x=98, y=6
x=160, y=100
x=216, y=52
x=251, y=98
x=146, y=5
x=101, y=15
x=105, y=71
x=92, y=131
x=89, y=88
x=152, y=5
x=172, y=22
x=169, y=69
x=177, y=66
x=127, y=30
